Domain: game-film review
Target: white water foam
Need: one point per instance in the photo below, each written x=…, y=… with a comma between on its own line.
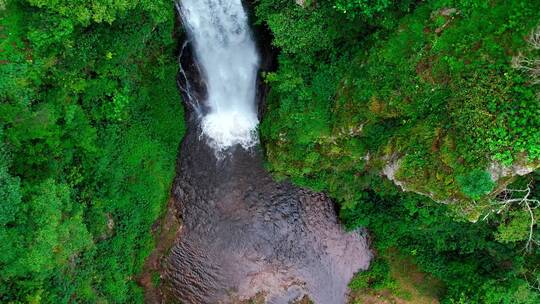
x=226, y=52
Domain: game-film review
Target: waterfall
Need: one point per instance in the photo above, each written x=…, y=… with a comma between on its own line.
x=225, y=50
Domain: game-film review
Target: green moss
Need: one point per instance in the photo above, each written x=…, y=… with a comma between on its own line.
x=429, y=85
x=438, y=90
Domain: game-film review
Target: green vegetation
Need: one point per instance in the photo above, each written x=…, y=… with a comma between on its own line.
x=432, y=85
x=394, y=277
x=476, y=183
x=90, y=122
x=376, y=278
x=467, y=258
x=442, y=97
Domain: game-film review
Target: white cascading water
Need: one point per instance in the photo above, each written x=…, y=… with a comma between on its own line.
x=226, y=52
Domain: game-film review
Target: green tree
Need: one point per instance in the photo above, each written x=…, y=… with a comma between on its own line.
x=476, y=183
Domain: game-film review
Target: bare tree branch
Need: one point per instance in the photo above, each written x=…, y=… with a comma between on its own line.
x=530, y=66
x=534, y=38
x=517, y=198
x=535, y=284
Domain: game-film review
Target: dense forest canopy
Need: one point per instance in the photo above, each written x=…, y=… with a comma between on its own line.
x=90, y=122
x=439, y=98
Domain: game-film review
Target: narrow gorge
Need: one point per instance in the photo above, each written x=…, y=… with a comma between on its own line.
x=270, y=151
x=244, y=235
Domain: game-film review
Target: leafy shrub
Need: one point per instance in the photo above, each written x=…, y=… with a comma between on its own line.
x=366, y=7
x=475, y=183
x=376, y=277
x=515, y=227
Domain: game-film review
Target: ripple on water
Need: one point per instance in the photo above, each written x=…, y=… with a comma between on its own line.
x=244, y=234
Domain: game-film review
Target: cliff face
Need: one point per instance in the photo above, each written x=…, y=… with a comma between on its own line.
x=429, y=96
x=471, y=208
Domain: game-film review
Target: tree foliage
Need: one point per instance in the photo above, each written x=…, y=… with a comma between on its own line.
x=90, y=121
x=475, y=183
x=471, y=259
x=432, y=93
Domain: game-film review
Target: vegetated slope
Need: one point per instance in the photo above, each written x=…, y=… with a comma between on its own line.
x=440, y=97
x=90, y=122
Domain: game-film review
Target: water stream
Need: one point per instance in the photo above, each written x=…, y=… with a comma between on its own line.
x=226, y=53
x=244, y=234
